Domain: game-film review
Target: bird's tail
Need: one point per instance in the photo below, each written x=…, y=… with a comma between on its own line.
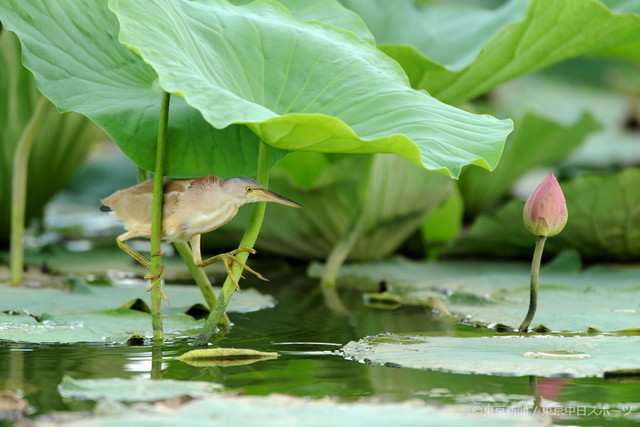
x=104, y=208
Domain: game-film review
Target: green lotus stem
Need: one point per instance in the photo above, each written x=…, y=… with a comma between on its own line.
x=200, y=277
x=344, y=246
x=156, y=219
x=248, y=240
x=535, y=275
x=19, y=188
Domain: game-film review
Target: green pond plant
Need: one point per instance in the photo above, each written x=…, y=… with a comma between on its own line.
x=545, y=214
x=239, y=104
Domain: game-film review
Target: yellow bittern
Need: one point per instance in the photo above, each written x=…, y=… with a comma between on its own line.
x=190, y=207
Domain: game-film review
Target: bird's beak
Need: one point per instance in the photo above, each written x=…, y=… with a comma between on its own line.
x=270, y=196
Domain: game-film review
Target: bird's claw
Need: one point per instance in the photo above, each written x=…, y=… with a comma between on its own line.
x=155, y=280
x=228, y=259
x=228, y=264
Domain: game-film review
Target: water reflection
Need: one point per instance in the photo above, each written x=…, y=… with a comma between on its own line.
x=307, y=328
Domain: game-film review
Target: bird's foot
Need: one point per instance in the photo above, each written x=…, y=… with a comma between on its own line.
x=228, y=259
x=158, y=254
x=155, y=281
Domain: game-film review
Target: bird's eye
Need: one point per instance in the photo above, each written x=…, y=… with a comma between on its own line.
x=249, y=189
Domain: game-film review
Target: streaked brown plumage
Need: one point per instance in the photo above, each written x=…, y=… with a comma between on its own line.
x=190, y=207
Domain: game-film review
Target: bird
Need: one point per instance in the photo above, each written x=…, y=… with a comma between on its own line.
x=190, y=208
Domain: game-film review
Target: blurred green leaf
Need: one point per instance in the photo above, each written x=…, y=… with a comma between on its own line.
x=537, y=142
x=603, y=222
x=443, y=224
x=466, y=53
x=397, y=199
x=59, y=148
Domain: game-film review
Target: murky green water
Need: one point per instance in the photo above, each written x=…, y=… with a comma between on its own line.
x=307, y=328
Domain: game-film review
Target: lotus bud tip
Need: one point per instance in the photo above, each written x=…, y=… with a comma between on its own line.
x=545, y=212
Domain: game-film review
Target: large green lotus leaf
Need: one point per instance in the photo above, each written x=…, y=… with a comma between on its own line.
x=301, y=85
x=71, y=47
x=328, y=12
x=536, y=142
x=133, y=389
x=85, y=298
x=542, y=356
x=491, y=293
x=465, y=53
x=604, y=213
x=288, y=410
x=109, y=326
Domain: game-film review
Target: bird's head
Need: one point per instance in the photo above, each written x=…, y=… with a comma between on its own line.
x=247, y=190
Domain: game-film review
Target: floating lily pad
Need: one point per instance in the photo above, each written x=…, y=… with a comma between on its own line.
x=109, y=326
x=225, y=356
x=512, y=355
x=83, y=298
x=133, y=390
x=286, y=410
x=600, y=297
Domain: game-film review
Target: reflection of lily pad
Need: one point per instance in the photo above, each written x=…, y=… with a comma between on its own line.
x=286, y=410
x=509, y=355
x=225, y=356
x=110, y=326
x=599, y=297
x=133, y=390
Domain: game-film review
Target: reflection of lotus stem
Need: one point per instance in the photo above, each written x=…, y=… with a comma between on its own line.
x=19, y=188
x=248, y=240
x=535, y=275
x=156, y=219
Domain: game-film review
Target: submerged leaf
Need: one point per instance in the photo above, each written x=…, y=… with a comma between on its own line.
x=508, y=355
x=134, y=389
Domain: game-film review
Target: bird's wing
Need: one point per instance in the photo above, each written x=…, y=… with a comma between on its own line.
x=133, y=204
x=205, y=183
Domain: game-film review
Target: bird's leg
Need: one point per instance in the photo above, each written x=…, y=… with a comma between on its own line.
x=156, y=278
x=228, y=258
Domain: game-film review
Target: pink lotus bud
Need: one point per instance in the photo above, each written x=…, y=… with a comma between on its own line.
x=545, y=213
